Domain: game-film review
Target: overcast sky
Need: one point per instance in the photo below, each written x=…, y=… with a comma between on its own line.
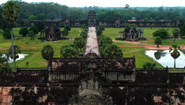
x=113, y=3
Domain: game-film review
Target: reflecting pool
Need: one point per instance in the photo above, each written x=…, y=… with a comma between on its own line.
x=164, y=58
x=21, y=56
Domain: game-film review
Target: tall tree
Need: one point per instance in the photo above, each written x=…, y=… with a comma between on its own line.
x=79, y=42
x=40, y=26
x=127, y=6
x=11, y=14
x=23, y=31
x=41, y=16
x=158, y=41
x=83, y=34
x=113, y=51
x=47, y=52
x=69, y=52
x=4, y=66
x=175, y=53
x=83, y=26
x=176, y=33
x=149, y=66
x=101, y=27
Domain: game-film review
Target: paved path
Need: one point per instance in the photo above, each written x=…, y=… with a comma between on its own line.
x=91, y=42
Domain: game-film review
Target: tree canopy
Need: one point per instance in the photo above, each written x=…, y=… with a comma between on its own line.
x=54, y=11
x=176, y=33
x=79, y=42
x=40, y=26
x=23, y=31
x=158, y=41
x=16, y=52
x=111, y=51
x=162, y=33
x=11, y=11
x=47, y=52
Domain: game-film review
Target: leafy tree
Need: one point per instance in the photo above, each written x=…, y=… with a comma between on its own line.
x=182, y=29
x=100, y=39
x=113, y=51
x=32, y=17
x=40, y=26
x=176, y=33
x=106, y=40
x=101, y=27
x=149, y=66
x=75, y=14
x=4, y=66
x=41, y=16
x=83, y=34
x=26, y=22
x=158, y=41
x=16, y=51
x=102, y=50
x=61, y=24
x=23, y=31
x=175, y=53
x=52, y=15
x=161, y=33
x=83, y=26
x=69, y=52
x=67, y=27
x=132, y=25
x=11, y=11
x=79, y=42
x=31, y=34
x=47, y=52
x=34, y=29
x=99, y=32
x=11, y=14
x=65, y=32
x=7, y=34
x=127, y=6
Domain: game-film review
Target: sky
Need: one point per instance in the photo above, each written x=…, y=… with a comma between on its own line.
x=113, y=3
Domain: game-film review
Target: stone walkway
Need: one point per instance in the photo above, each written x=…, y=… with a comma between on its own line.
x=91, y=42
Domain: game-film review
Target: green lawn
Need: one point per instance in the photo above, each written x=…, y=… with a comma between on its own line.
x=34, y=47
x=169, y=42
x=140, y=56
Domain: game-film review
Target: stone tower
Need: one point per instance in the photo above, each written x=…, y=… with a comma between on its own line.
x=92, y=18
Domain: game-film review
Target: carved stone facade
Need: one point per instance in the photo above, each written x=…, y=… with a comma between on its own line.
x=50, y=34
x=92, y=18
x=93, y=21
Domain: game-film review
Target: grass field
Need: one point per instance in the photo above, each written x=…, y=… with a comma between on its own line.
x=34, y=47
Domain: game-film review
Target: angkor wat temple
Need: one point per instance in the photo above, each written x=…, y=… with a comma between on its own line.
x=91, y=80
x=93, y=21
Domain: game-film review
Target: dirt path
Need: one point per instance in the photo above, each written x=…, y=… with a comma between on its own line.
x=152, y=47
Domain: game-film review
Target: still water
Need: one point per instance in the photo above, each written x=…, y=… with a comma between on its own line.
x=164, y=58
x=21, y=56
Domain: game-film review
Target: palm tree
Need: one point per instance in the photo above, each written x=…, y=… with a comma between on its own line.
x=11, y=14
x=113, y=51
x=175, y=54
x=176, y=33
x=47, y=52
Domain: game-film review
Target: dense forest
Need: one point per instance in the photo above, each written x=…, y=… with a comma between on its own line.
x=55, y=11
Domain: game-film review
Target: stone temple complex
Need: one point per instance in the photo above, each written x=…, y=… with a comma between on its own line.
x=93, y=21
x=50, y=34
x=131, y=34
x=91, y=80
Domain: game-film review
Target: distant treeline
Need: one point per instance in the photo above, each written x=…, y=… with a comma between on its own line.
x=55, y=11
